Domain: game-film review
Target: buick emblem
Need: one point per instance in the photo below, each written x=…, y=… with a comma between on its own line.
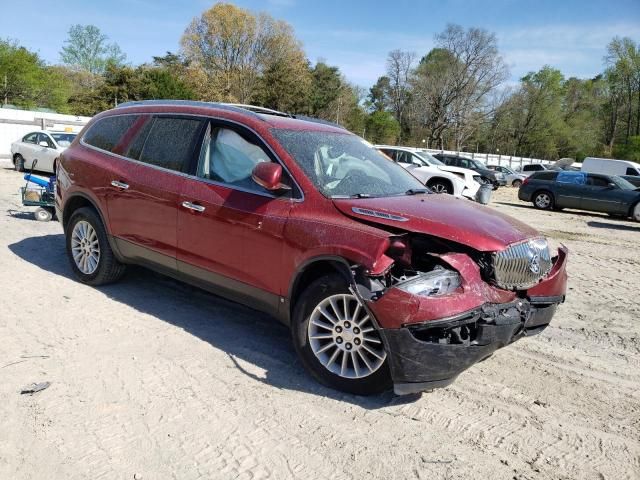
x=534, y=264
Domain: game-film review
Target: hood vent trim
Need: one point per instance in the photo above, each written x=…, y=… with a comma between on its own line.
x=377, y=214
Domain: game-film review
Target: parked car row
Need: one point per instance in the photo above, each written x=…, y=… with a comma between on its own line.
x=382, y=282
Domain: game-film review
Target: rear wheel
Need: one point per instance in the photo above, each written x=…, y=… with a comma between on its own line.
x=337, y=340
x=543, y=200
x=88, y=249
x=440, y=186
x=635, y=214
x=516, y=183
x=18, y=163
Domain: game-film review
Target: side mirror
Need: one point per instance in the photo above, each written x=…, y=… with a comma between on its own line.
x=43, y=144
x=611, y=185
x=269, y=176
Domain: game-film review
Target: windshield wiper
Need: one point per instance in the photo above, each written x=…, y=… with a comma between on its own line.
x=360, y=195
x=416, y=191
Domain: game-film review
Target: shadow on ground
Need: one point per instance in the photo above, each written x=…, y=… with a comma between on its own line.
x=239, y=331
x=613, y=226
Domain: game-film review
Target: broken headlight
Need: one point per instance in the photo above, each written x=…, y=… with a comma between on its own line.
x=432, y=284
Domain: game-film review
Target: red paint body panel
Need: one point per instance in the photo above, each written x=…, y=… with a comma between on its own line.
x=264, y=242
x=445, y=216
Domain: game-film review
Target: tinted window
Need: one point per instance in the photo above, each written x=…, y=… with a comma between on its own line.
x=632, y=171
x=597, y=181
x=403, y=157
x=106, y=132
x=544, y=176
x=574, y=178
x=389, y=153
x=170, y=142
x=31, y=138
x=136, y=146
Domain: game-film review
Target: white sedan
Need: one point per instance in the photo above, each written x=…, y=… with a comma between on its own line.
x=43, y=146
x=434, y=174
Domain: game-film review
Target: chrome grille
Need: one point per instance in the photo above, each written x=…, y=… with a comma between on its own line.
x=522, y=265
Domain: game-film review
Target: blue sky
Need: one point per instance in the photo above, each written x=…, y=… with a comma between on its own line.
x=354, y=35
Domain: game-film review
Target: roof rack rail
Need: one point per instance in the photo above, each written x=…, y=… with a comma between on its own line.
x=257, y=109
x=193, y=103
x=234, y=107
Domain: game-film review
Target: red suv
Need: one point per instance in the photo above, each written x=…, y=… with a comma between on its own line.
x=382, y=282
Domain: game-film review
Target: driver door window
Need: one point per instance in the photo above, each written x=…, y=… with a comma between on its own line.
x=229, y=158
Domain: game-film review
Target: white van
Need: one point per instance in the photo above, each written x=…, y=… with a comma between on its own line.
x=610, y=166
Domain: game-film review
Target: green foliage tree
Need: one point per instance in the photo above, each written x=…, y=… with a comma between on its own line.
x=382, y=127
x=87, y=48
x=25, y=80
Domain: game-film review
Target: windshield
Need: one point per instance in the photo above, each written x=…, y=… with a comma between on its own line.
x=477, y=163
x=622, y=183
x=343, y=165
x=64, y=139
x=430, y=159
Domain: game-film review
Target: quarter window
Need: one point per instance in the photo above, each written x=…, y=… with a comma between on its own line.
x=31, y=138
x=107, y=132
x=170, y=142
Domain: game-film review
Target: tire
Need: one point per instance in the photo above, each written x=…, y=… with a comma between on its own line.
x=43, y=215
x=635, y=212
x=543, y=200
x=92, y=268
x=320, y=341
x=516, y=183
x=18, y=163
x=440, y=186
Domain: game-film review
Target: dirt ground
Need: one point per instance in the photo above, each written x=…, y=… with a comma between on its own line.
x=151, y=379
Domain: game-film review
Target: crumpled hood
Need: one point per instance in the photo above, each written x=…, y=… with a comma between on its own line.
x=440, y=215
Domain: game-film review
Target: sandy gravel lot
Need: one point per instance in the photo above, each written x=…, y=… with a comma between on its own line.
x=152, y=379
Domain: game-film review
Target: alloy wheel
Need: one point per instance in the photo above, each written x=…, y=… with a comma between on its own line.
x=85, y=247
x=344, y=339
x=543, y=200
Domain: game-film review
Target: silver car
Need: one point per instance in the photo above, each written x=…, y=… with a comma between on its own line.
x=44, y=146
x=514, y=179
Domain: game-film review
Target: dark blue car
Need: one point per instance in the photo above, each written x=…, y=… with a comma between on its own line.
x=584, y=191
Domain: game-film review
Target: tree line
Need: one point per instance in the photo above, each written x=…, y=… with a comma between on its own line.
x=456, y=96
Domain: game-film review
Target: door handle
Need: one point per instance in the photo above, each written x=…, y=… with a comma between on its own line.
x=193, y=206
x=118, y=184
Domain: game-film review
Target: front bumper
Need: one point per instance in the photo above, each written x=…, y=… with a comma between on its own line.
x=432, y=354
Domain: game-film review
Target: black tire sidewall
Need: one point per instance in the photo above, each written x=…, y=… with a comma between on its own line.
x=92, y=218
x=447, y=188
x=19, y=164
x=377, y=382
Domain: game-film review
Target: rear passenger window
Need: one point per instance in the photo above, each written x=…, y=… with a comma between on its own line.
x=107, y=132
x=544, y=176
x=574, y=178
x=597, y=181
x=170, y=142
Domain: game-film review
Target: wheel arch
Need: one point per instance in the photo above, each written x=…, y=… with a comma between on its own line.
x=436, y=178
x=311, y=270
x=76, y=201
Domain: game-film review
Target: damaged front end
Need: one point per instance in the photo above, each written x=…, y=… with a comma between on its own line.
x=440, y=306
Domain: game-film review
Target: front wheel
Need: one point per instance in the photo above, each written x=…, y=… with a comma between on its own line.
x=440, y=186
x=543, y=201
x=516, y=183
x=337, y=340
x=636, y=212
x=88, y=249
